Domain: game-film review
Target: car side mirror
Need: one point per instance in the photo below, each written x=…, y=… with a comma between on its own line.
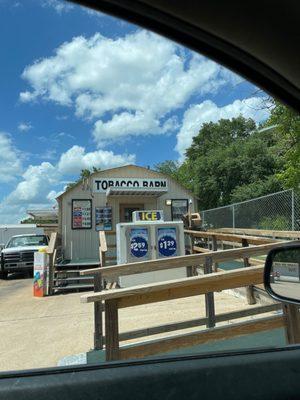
x=282, y=274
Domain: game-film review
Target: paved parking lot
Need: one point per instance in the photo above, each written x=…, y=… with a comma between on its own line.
x=38, y=332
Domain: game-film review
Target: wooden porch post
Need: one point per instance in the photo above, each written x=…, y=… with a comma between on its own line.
x=292, y=323
x=98, y=320
x=209, y=297
x=249, y=289
x=215, y=248
x=111, y=330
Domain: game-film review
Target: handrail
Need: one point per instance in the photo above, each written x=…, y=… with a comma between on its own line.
x=164, y=291
x=52, y=250
x=183, y=261
x=113, y=300
x=230, y=237
x=196, y=322
x=171, y=343
x=260, y=232
x=52, y=243
x=178, y=288
x=102, y=241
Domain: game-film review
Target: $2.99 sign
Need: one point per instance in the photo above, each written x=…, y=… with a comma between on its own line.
x=139, y=242
x=167, y=244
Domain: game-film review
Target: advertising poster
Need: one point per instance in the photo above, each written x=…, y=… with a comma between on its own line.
x=167, y=242
x=103, y=218
x=81, y=214
x=139, y=239
x=40, y=274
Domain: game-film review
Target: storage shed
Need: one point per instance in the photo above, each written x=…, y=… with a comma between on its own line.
x=110, y=196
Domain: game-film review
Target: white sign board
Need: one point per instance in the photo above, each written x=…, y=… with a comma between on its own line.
x=101, y=185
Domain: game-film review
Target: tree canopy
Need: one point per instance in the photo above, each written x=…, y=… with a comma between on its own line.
x=233, y=160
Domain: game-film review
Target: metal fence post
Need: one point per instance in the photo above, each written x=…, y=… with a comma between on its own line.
x=293, y=210
x=233, y=217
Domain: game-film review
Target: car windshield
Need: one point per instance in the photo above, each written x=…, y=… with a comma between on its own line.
x=136, y=154
x=40, y=240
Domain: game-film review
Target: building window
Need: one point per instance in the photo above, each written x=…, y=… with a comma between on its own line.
x=179, y=207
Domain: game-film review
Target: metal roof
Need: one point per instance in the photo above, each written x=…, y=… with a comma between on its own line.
x=103, y=171
x=43, y=213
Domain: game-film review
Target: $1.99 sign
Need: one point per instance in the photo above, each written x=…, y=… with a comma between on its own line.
x=139, y=242
x=167, y=243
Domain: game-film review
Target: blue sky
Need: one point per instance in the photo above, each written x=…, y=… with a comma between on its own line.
x=82, y=89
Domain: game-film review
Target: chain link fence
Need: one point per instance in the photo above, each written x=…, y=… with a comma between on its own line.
x=276, y=211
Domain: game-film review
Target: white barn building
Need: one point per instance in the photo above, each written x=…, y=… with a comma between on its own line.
x=110, y=196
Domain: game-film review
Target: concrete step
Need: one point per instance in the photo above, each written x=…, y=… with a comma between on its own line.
x=74, y=278
x=72, y=288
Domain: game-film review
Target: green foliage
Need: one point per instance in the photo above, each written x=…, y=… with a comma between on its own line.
x=38, y=221
x=278, y=223
x=175, y=171
x=231, y=161
x=169, y=168
x=271, y=184
x=287, y=124
x=84, y=174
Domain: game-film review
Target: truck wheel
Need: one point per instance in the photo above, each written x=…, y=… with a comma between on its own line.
x=3, y=274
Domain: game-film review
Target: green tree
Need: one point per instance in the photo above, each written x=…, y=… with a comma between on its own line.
x=286, y=123
x=168, y=167
x=232, y=161
x=84, y=174
x=175, y=171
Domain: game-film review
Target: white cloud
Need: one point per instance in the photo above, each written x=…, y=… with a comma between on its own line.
x=10, y=164
x=38, y=185
x=62, y=6
x=49, y=154
x=52, y=195
x=37, y=180
x=24, y=126
x=64, y=134
x=59, y=6
x=76, y=159
x=127, y=124
x=140, y=78
x=208, y=111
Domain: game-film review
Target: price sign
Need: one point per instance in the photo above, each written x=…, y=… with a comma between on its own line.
x=81, y=214
x=139, y=242
x=167, y=243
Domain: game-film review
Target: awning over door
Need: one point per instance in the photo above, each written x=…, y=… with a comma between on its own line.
x=135, y=192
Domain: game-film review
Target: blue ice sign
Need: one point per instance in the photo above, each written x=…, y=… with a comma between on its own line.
x=167, y=242
x=139, y=242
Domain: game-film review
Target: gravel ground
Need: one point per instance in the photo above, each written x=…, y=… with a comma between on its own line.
x=38, y=332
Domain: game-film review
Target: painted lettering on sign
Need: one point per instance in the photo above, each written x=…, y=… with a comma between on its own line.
x=147, y=216
x=101, y=185
x=167, y=242
x=139, y=238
